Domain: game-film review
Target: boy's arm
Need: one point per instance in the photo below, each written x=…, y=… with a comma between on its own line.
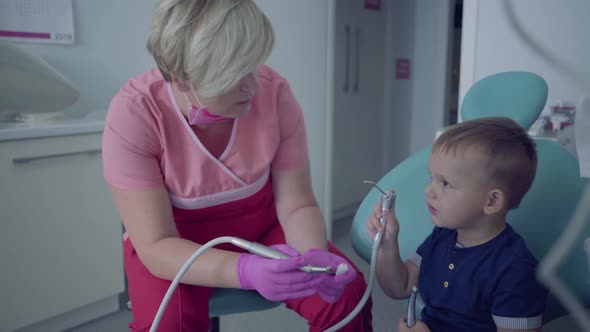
x=395, y=277
x=518, y=301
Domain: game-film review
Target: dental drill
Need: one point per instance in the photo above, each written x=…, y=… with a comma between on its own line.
x=386, y=205
x=267, y=252
x=251, y=247
x=411, y=314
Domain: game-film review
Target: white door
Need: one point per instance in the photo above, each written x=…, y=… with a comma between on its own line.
x=359, y=78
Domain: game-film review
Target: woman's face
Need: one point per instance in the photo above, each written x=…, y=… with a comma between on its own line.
x=236, y=102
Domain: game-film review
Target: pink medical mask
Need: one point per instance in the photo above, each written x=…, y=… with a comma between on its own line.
x=201, y=115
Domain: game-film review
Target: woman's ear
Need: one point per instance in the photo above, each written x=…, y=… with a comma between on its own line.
x=495, y=202
x=182, y=86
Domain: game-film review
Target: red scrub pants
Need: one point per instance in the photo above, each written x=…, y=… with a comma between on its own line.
x=254, y=219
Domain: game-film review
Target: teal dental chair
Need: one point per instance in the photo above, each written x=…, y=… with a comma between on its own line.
x=544, y=212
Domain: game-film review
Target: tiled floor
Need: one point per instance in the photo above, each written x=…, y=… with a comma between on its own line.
x=385, y=310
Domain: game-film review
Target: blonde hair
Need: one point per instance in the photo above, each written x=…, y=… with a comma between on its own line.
x=511, y=152
x=212, y=44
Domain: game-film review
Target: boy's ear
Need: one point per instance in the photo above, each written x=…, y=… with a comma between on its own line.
x=495, y=202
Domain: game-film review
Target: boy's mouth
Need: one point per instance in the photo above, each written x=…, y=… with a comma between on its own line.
x=432, y=209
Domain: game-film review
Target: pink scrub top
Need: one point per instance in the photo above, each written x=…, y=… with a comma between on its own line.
x=148, y=143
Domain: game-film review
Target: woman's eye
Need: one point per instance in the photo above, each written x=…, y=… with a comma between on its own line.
x=445, y=184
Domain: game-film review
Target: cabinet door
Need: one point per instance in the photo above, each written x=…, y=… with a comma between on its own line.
x=359, y=94
x=60, y=235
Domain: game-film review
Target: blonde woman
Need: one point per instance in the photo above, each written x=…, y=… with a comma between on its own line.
x=212, y=143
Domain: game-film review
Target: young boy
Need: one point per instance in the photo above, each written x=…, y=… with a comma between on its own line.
x=474, y=272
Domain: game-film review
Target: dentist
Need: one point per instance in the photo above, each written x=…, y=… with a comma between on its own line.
x=212, y=143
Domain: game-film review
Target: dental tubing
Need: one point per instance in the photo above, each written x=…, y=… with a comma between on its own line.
x=267, y=252
x=411, y=314
x=387, y=199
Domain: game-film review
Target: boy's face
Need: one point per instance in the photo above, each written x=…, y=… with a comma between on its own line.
x=459, y=188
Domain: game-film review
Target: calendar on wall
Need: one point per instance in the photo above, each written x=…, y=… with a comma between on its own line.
x=37, y=21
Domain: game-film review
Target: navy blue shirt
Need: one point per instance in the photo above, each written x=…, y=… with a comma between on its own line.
x=479, y=288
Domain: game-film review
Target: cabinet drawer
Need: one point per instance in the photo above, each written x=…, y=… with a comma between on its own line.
x=60, y=234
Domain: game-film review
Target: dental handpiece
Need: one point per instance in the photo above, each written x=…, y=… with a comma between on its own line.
x=268, y=252
x=387, y=199
x=411, y=314
x=386, y=204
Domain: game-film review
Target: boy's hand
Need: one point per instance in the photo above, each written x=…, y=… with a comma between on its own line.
x=374, y=224
x=419, y=327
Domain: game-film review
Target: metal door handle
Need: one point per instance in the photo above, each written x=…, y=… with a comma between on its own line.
x=347, y=57
x=25, y=160
x=357, y=64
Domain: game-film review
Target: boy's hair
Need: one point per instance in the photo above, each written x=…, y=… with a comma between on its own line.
x=511, y=152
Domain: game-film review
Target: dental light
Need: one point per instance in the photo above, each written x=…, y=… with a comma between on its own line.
x=29, y=84
x=571, y=236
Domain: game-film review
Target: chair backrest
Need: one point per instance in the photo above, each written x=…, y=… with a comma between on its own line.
x=519, y=95
x=544, y=212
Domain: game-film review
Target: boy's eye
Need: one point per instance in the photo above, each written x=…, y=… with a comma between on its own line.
x=445, y=183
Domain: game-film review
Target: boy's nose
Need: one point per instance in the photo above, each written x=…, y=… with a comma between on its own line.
x=429, y=192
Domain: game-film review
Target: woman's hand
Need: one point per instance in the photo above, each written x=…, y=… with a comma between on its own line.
x=419, y=327
x=277, y=279
x=332, y=285
x=391, y=227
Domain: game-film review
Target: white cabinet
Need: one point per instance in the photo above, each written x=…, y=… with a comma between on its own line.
x=60, y=235
x=359, y=94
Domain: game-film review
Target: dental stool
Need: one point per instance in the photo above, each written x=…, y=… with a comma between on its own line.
x=545, y=211
x=227, y=301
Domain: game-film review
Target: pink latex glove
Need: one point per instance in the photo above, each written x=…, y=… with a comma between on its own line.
x=332, y=286
x=277, y=279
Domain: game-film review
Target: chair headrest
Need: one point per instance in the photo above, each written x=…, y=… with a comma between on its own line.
x=518, y=95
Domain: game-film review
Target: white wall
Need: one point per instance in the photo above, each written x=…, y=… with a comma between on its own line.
x=491, y=46
x=399, y=93
x=416, y=107
x=432, y=26
x=301, y=55
x=110, y=48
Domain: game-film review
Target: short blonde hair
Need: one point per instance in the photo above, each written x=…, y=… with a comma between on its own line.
x=510, y=151
x=212, y=44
